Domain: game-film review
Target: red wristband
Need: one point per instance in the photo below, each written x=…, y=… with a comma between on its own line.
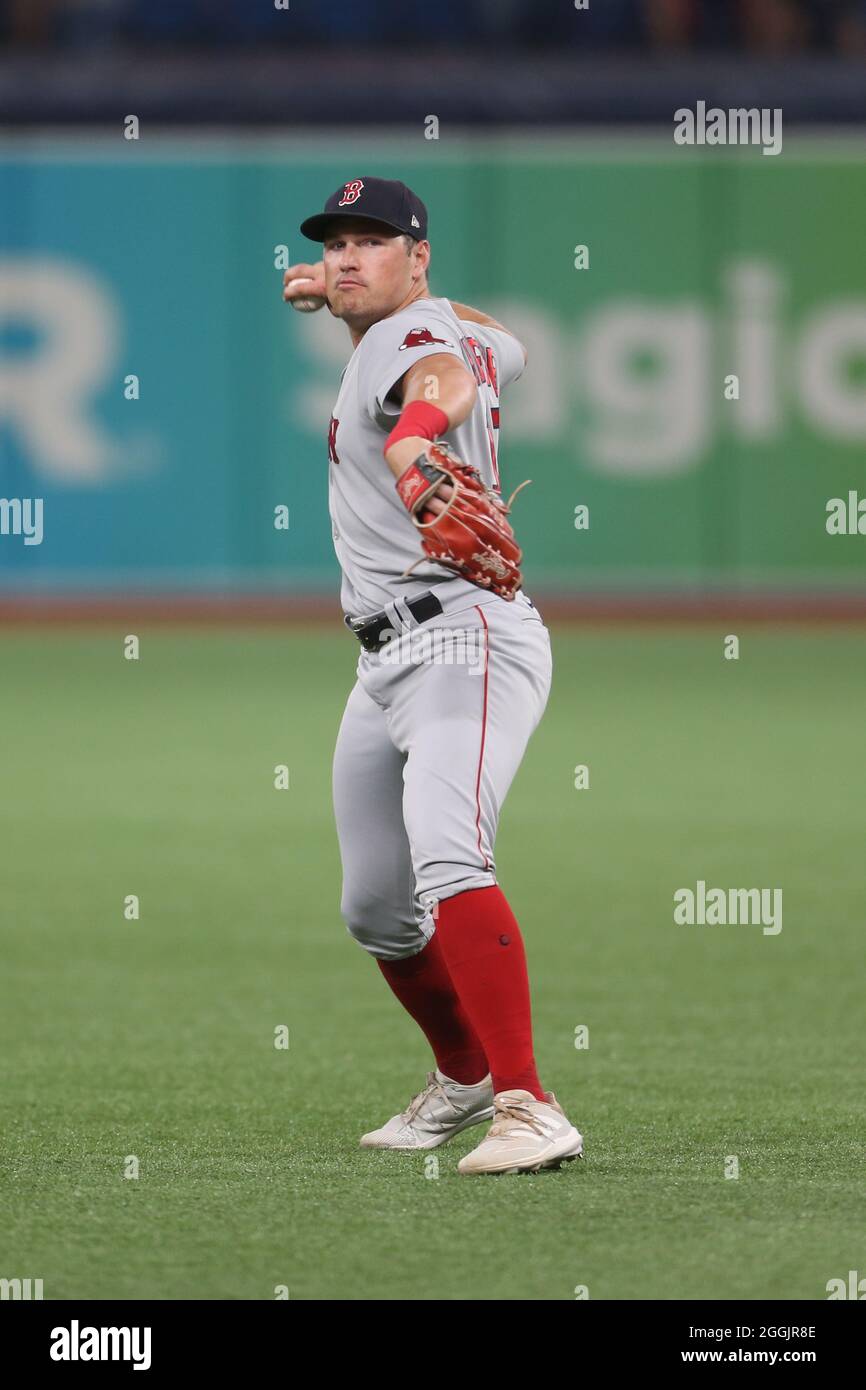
x=418, y=418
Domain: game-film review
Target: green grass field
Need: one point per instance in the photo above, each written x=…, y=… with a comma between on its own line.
x=155, y=1038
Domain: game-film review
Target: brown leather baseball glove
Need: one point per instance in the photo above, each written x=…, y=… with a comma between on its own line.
x=473, y=534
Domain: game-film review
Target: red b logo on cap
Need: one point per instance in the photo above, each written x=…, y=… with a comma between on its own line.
x=351, y=193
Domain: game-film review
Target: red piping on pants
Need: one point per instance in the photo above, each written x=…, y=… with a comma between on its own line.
x=483, y=734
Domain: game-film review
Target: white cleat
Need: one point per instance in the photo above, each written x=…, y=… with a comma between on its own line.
x=435, y=1115
x=526, y=1135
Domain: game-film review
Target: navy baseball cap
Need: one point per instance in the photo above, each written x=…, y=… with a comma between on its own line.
x=383, y=200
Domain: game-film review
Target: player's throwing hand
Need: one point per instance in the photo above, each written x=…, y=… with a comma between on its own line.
x=304, y=286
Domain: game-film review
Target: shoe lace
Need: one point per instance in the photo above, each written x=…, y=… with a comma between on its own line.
x=433, y=1086
x=507, y=1113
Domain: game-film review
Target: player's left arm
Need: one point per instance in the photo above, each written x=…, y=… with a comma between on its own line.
x=455, y=395
x=470, y=315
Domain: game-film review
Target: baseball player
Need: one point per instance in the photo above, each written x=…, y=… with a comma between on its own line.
x=453, y=674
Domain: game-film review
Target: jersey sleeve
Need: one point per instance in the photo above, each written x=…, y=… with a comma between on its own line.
x=508, y=353
x=390, y=348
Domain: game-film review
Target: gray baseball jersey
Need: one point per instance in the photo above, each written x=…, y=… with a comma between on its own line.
x=374, y=537
x=427, y=747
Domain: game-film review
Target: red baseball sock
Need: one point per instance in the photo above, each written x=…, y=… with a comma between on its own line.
x=425, y=989
x=483, y=948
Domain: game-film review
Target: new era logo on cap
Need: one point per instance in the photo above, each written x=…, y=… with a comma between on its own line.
x=415, y=222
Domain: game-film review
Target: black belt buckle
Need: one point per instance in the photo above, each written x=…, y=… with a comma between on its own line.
x=369, y=630
x=366, y=630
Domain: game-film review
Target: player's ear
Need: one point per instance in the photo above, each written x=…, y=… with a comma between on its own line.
x=421, y=252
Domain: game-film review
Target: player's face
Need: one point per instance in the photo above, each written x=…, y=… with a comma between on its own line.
x=368, y=273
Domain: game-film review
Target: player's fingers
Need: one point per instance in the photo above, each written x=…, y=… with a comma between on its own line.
x=294, y=272
x=437, y=503
x=301, y=285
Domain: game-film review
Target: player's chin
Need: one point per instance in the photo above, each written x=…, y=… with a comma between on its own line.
x=348, y=304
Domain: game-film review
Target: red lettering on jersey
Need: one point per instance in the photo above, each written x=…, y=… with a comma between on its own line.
x=420, y=337
x=351, y=193
x=475, y=359
x=492, y=373
x=332, y=440
x=494, y=415
x=496, y=483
